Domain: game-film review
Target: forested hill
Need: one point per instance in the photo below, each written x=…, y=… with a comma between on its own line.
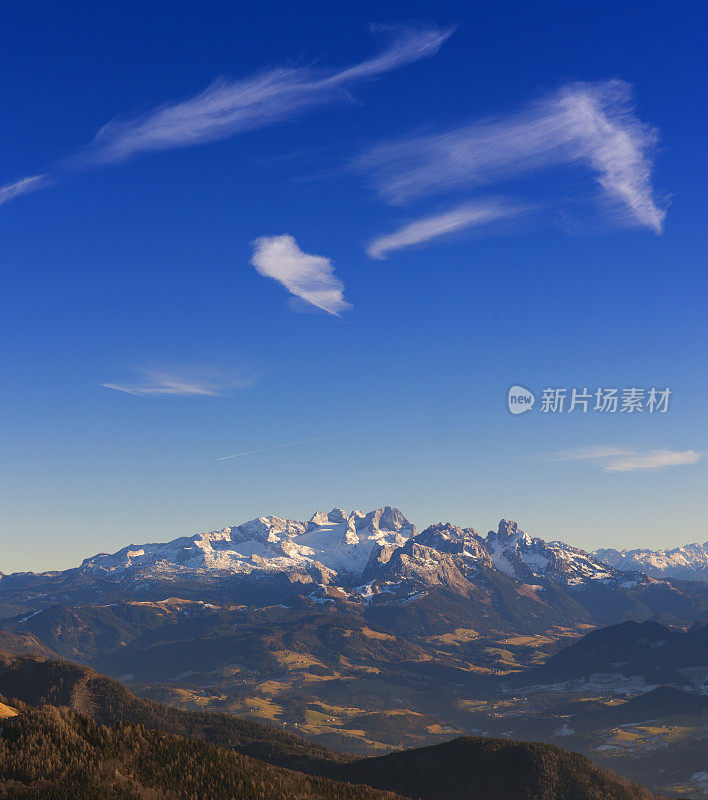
x=70, y=733
x=478, y=768
x=38, y=681
x=56, y=754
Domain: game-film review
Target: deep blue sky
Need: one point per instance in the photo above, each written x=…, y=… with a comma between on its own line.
x=145, y=263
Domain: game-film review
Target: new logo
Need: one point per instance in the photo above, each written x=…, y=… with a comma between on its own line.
x=520, y=400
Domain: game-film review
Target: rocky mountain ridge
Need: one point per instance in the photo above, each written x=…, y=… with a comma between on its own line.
x=377, y=565
x=359, y=550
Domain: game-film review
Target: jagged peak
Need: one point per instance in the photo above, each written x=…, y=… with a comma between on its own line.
x=262, y=528
x=449, y=538
x=446, y=530
x=325, y=518
x=508, y=531
x=386, y=517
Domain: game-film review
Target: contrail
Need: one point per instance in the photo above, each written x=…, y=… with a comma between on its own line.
x=304, y=441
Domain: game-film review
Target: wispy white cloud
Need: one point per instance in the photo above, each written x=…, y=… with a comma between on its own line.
x=188, y=382
x=587, y=123
x=461, y=218
x=229, y=107
x=30, y=184
x=615, y=459
x=308, y=277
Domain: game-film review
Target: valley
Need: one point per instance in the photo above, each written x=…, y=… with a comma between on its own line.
x=362, y=635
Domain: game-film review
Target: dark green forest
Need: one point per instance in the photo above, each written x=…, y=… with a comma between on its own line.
x=55, y=753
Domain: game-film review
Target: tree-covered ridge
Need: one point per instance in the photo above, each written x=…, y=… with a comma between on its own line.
x=55, y=753
x=38, y=681
x=475, y=768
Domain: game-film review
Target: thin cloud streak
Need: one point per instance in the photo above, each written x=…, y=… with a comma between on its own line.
x=461, y=218
x=30, y=184
x=187, y=382
x=301, y=441
x=615, y=459
x=308, y=277
x=588, y=123
x=228, y=107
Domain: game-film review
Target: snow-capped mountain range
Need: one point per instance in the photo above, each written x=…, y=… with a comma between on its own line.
x=331, y=544
x=364, y=555
x=371, y=565
x=689, y=562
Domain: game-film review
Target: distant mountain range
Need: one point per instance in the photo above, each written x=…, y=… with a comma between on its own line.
x=336, y=548
x=364, y=558
x=445, y=593
x=346, y=549
x=689, y=562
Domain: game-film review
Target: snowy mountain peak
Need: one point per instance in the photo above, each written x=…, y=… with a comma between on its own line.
x=261, y=529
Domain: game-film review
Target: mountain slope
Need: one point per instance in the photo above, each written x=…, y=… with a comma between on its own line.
x=23, y=643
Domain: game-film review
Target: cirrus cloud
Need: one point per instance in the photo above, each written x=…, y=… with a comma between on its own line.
x=200, y=381
x=25, y=185
x=592, y=124
x=463, y=217
x=617, y=459
x=229, y=107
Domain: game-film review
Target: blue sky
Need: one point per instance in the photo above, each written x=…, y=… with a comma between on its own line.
x=227, y=229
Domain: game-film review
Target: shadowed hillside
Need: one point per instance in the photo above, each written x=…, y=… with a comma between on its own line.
x=40, y=682
x=55, y=753
x=493, y=769
x=58, y=747
x=647, y=649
